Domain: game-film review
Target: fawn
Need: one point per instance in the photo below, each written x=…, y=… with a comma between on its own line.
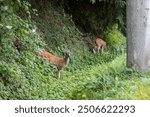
x=60, y=63
x=100, y=45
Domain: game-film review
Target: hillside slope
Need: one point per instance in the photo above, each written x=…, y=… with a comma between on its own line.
x=24, y=75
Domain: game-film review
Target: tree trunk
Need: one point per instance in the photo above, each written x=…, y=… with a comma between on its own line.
x=138, y=34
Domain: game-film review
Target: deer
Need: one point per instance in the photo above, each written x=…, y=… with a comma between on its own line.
x=59, y=62
x=99, y=47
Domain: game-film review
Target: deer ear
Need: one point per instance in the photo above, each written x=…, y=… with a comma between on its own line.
x=66, y=50
x=69, y=50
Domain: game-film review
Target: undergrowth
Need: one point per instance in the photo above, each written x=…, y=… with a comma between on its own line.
x=24, y=75
x=113, y=80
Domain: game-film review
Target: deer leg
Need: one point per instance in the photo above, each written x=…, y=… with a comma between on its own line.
x=102, y=50
x=58, y=74
x=98, y=49
x=94, y=51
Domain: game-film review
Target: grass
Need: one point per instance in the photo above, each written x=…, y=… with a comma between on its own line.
x=24, y=75
x=110, y=80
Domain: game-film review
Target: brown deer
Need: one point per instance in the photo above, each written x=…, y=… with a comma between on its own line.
x=100, y=45
x=60, y=63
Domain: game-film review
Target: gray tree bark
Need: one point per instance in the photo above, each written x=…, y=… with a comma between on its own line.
x=138, y=34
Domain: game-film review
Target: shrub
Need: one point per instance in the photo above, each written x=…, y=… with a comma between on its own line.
x=115, y=38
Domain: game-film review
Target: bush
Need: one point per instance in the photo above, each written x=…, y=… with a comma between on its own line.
x=18, y=50
x=115, y=39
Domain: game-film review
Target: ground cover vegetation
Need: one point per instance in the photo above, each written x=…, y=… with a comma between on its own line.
x=29, y=26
